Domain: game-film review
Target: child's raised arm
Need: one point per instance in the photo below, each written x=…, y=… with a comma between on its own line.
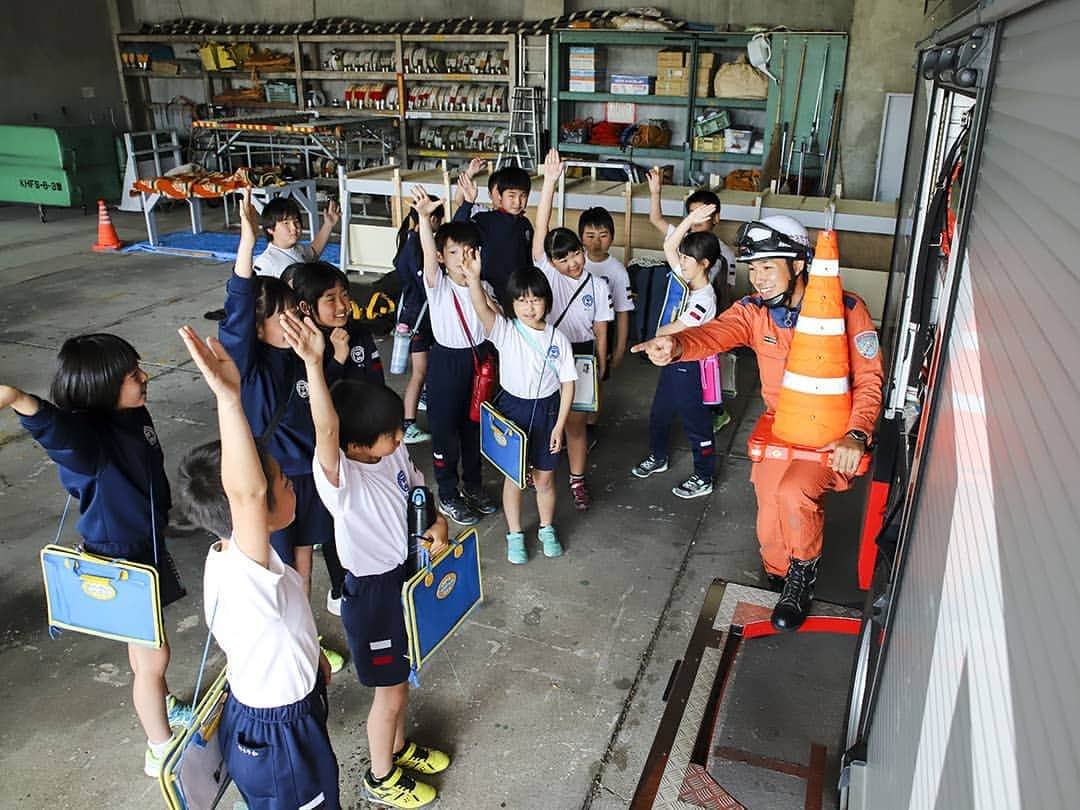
x=553, y=169
x=703, y=213
x=424, y=207
x=249, y=234
x=306, y=339
x=656, y=182
x=242, y=475
x=331, y=217
x=484, y=306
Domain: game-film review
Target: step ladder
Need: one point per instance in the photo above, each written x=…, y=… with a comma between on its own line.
x=522, y=144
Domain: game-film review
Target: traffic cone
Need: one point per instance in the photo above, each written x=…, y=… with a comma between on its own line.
x=106, y=233
x=815, y=395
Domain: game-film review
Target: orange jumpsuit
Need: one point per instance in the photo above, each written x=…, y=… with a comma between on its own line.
x=790, y=521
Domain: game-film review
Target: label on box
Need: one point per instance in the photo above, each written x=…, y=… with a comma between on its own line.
x=621, y=112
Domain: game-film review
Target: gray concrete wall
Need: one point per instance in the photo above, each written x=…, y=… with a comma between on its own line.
x=881, y=60
x=57, y=65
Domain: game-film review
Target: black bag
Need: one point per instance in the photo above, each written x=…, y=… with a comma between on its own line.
x=648, y=282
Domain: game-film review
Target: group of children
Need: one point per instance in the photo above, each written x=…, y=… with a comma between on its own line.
x=311, y=453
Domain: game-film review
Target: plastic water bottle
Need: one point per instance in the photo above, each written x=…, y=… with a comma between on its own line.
x=420, y=517
x=399, y=359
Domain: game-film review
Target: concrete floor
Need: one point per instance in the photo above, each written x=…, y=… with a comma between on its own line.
x=548, y=698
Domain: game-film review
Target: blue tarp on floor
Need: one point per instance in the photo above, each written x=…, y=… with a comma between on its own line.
x=209, y=245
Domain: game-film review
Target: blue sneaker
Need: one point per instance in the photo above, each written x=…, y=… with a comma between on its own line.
x=515, y=548
x=180, y=714
x=550, y=541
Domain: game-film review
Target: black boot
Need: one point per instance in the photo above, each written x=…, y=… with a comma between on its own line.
x=794, y=602
x=774, y=582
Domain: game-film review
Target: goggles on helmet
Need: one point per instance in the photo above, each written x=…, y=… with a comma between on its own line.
x=755, y=240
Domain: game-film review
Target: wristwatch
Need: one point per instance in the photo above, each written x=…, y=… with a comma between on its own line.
x=858, y=436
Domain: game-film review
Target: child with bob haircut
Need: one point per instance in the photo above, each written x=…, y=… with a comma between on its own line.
x=363, y=474
x=273, y=727
x=409, y=265
x=678, y=390
x=274, y=392
x=280, y=221
x=107, y=453
x=537, y=379
x=459, y=345
x=505, y=231
x=581, y=308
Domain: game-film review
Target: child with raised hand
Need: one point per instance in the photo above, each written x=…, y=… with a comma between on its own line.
x=537, y=379
x=280, y=222
x=102, y=439
x=581, y=309
x=689, y=253
x=409, y=265
x=274, y=392
x=722, y=271
x=504, y=230
x=363, y=473
x=459, y=345
x=273, y=728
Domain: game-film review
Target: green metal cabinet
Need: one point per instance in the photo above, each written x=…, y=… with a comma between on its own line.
x=58, y=166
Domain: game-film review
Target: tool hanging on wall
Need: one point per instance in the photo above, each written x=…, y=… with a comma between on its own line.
x=795, y=114
x=817, y=106
x=832, y=144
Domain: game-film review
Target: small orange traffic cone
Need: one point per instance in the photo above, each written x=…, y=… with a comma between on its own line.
x=106, y=233
x=815, y=395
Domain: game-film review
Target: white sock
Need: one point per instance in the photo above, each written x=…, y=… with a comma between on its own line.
x=159, y=749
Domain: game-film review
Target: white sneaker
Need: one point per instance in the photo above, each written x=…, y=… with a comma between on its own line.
x=333, y=605
x=152, y=764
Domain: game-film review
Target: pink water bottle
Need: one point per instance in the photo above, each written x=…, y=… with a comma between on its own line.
x=711, y=393
x=399, y=359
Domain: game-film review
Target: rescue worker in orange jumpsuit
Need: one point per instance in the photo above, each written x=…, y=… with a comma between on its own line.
x=790, y=520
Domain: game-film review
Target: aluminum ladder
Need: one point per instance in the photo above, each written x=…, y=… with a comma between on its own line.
x=522, y=144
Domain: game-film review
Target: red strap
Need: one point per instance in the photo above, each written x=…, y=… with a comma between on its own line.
x=465, y=328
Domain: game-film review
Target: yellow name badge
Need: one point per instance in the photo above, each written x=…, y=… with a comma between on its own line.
x=98, y=588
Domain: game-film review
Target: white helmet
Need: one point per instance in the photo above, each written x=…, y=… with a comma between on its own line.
x=775, y=236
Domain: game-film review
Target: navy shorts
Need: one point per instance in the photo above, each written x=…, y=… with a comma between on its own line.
x=281, y=758
x=375, y=627
x=312, y=525
x=519, y=411
x=170, y=585
x=424, y=338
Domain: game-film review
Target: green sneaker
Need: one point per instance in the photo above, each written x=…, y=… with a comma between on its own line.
x=336, y=659
x=550, y=541
x=720, y=421
x=422, y=760
x=515, y=548
x=398, y=790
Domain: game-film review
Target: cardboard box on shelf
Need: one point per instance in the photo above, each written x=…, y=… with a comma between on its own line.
x=709, y=143
x=704, y=82
x=675, y=87
x=667, y=74
x=631, y=85
x=706, y=59
x=621, y=112
x=672, y=59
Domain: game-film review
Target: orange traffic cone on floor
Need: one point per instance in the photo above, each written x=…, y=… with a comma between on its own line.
x=815, y=395
x=106, y=233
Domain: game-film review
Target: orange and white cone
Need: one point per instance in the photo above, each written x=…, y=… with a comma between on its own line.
x=815, y=395
x=106, y=233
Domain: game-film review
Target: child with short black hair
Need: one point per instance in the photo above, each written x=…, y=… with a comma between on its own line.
x=363, y=474
x=272, y=732
x=107, y=454
x=505, y=231
x=721, y=272
x=537, y=379
x=459, y=345
x=581, y=310
x=274, y=391
x=596, y=229
x=678, y=389
x=280, y=222
x=409, y=264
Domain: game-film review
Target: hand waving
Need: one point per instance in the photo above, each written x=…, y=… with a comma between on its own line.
x=218, y=369
x=304, y=338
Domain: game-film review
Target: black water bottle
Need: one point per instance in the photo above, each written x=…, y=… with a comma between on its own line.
x=421, y=516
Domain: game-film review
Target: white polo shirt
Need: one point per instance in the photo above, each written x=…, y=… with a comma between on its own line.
x=592, y=304
x=522, y=370
x=369, y=509
x=614, y=273
x=274, y=260
x=445, y=322
x=725, y=251
x=700, y=306
x=263, y=622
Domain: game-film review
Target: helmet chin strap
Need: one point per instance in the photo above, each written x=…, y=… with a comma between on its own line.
x=784, y=299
